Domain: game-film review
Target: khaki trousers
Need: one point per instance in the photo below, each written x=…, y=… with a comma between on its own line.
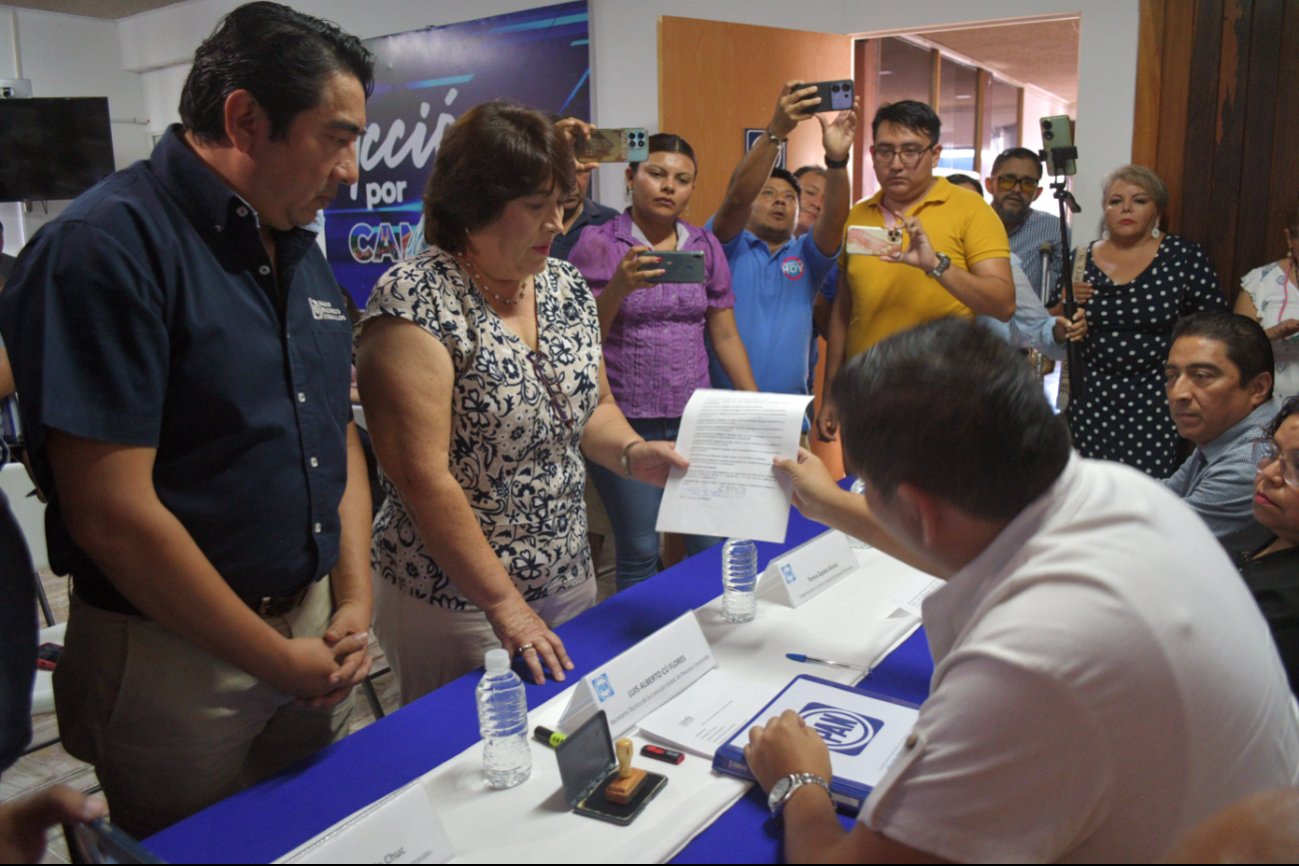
x=172, y=729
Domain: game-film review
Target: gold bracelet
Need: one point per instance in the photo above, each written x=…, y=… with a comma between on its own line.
x=626, y=456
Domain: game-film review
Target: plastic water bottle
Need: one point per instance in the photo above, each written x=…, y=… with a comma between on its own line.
x=503, y=723
x=739, y=580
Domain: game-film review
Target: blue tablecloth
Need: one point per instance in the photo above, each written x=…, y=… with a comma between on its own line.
x=270, y=819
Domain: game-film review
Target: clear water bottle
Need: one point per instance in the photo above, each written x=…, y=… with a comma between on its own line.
x=739, y=580
x=503, y=723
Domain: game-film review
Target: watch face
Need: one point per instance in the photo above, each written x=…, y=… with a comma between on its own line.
x=778, y=792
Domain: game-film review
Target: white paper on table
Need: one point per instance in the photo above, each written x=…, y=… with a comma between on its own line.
x=917, y=594
x=731, y=488
x=701, y=720
x=402, y=827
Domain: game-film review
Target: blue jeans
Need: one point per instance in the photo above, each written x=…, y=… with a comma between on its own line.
x=633, y=508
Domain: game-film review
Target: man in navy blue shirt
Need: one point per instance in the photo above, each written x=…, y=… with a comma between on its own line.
x=183, y=356
x=776, y=275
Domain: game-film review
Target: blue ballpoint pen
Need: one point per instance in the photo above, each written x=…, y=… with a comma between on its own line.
x=804, y=657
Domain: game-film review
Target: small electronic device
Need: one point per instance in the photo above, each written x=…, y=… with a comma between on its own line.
x=101, y=842
x=1057, y=136
x=614, y=145
x=47, y=657
x=596, y=783
x=835, y=95
x=678, y=266
x=873, y=241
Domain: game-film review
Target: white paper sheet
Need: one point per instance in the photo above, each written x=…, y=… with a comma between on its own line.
x=708, y=714
x=731, y=488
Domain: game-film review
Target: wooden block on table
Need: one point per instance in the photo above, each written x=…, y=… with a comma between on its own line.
x=622, y=790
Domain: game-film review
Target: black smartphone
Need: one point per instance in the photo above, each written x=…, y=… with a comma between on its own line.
x=835, y=95
x=679, y=266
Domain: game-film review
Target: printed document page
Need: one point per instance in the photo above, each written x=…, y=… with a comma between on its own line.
x=731, y=488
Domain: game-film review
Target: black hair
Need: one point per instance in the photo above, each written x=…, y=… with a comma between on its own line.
x=966, y=180
x=910, y=114
x=787, y=177
x=1244, y=339
x=1288, y=408
x=1016, y=153
x=1292, y=219
x=496, y=152
x=950, y=408
x=279, y=55
x=666, y=142
x=809, y=169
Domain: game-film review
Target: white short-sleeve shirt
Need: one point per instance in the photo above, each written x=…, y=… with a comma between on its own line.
x=1103, y=681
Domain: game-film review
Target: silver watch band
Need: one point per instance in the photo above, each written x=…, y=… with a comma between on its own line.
x=795, y=781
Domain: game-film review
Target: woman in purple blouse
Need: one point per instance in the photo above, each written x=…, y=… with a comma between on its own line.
x=655, y=334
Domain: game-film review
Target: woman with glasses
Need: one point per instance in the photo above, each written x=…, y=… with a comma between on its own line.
x=1270, y=296
x=1272, y=571
x=1137, y=281
x=655, y=334
x=479, y=366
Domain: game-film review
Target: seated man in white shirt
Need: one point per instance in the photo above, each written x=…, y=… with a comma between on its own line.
x=1103, y=680
x=1219, y=382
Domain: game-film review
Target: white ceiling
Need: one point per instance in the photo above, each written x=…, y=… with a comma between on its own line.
x=1042, y=53
x=106, y=9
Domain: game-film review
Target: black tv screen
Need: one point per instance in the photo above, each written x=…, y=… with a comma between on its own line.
x=53, y=148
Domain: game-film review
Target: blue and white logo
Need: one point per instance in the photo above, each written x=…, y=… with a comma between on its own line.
x=603, y=688
x=788, y=571
x=844, y=731
x=792, y=267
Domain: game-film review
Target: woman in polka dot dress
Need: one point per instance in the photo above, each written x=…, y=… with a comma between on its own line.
x=1138, y=281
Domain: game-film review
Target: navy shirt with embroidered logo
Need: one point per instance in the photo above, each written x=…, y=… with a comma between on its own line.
x=150, y=314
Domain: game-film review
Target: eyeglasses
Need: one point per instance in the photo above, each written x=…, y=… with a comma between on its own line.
x=910, y=156
x=1007, y=182
x=558, y=400
x=1266, y=451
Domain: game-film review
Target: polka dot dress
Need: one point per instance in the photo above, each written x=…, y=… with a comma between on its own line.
x=1124, y=413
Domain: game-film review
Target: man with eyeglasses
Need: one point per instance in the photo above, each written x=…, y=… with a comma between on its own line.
x=954, y=260
x=1219, y=383
x=1015, y=184
x=775, y=274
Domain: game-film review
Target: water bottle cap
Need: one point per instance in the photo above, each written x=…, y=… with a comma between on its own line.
x=497, y=660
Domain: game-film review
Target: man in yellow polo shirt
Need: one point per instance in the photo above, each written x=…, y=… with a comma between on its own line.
x=955, y=256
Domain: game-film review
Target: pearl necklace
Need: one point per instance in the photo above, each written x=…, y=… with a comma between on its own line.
x=476, y=278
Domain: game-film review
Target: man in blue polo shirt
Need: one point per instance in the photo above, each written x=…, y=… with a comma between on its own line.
x=774, y=274
x=183, y=357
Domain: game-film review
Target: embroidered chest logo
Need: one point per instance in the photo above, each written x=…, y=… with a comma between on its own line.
x=792, y=267
x=324, y=311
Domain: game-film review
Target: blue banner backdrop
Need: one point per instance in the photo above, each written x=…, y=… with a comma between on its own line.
x=424, y=80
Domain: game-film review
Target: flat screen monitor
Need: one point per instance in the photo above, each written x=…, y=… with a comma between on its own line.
x=53, y=148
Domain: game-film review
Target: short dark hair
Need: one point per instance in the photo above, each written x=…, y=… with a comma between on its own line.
x=966, y=180
x=908, y=113
x=783, y=174
x=1292, y=218
x=496, y=152
x=809, y=169
x=1016, y=153
x=950, y=408
x=1244, y=339
x=279, y=55
x=666, y=142
x=1288, y=408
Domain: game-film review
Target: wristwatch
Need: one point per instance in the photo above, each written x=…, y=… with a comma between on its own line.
x=835, y=163
x=943, y=264
x=785, y=788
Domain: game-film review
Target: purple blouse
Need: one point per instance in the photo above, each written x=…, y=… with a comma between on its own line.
x=655, y=353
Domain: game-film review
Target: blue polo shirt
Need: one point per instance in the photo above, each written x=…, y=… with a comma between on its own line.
x=774, y=293
x=149, y=314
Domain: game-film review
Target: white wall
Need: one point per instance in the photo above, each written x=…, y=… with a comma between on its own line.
x=65, y=55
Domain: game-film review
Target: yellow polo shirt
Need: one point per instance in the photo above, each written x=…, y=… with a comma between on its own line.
x=888, y=297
